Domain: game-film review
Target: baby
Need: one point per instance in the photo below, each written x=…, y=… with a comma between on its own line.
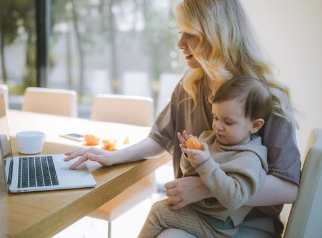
x=232, y=164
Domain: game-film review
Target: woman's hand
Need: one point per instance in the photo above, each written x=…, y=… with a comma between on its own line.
x=101, y=156
x=184, y=191
x=144, y=149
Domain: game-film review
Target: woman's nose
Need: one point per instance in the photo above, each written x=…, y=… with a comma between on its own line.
x=181, y=44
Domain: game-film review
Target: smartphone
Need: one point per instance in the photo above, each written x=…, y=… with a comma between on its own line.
x=73, y=136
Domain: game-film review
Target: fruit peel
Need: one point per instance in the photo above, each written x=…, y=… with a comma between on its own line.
x=193, y=143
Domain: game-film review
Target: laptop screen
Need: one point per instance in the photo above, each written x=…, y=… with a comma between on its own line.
x=5, y=145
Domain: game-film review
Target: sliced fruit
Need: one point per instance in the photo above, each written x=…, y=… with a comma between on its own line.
x=108, y=143
x=112, y=148
x=126, y=140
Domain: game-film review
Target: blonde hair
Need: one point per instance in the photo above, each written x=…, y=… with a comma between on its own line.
x=227, y=48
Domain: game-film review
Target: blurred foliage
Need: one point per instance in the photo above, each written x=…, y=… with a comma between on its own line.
x=18, y=21
x=14, y=17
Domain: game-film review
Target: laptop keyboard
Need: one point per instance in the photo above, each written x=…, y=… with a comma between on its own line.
x=37, y=171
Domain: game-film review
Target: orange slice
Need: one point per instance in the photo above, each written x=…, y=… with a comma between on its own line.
x=126, y=140
x=112, y=148
x=108, y=143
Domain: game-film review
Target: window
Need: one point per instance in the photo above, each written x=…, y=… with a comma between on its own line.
x=96, y=46
x=17, y=45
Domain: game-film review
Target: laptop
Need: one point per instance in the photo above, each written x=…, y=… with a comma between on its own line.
x=31, y=173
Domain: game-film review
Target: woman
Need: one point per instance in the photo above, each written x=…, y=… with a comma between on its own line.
x=218, y=44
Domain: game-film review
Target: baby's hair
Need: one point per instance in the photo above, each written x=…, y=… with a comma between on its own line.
x=253, y=94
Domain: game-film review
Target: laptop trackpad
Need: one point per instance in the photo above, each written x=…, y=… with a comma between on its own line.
x=79, y=176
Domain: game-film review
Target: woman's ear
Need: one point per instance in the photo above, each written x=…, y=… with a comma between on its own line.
x=257, y=124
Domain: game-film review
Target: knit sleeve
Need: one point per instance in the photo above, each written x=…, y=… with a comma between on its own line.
x=235, y=182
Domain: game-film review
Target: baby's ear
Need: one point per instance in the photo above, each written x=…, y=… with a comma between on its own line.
x=257, y=124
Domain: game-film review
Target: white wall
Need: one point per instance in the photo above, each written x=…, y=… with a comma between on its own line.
x=291, y=33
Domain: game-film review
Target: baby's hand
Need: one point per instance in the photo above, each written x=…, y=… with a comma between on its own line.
x=197, y=156
x=183, y=138
x=193, y=143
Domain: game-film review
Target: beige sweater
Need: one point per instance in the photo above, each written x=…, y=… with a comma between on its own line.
x=233, y=174
x=278, y=136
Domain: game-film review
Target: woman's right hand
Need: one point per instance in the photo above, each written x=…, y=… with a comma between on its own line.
x=187, y=190
x=144, y=149
x=101, y=156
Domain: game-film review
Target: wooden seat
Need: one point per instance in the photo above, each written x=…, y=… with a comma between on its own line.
x=130, y=110
x=50, y=101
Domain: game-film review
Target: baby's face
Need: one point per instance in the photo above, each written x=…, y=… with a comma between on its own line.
x=229, y=122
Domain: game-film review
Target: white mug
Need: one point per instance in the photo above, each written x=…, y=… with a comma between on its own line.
x=30, y=142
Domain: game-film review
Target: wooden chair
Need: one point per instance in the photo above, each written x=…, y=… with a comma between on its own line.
x=5, y=91
x=131, y=110
x=50, y=101
x=304, y=218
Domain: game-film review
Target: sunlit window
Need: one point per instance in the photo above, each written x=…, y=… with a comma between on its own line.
x=17, y=44
x=95, y=46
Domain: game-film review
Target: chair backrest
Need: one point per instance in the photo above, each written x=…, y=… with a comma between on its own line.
x=50, y=101
x=123, y=109
x=306, y=211
x=5, y=91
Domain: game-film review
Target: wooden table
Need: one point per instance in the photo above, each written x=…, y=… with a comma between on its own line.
x=43, y=214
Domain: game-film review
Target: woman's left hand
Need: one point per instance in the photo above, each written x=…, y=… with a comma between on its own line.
x=184, y=191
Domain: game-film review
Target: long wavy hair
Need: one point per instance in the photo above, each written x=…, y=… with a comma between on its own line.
x=227, y=48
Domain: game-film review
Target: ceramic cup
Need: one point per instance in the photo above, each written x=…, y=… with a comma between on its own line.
x=30, y=142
